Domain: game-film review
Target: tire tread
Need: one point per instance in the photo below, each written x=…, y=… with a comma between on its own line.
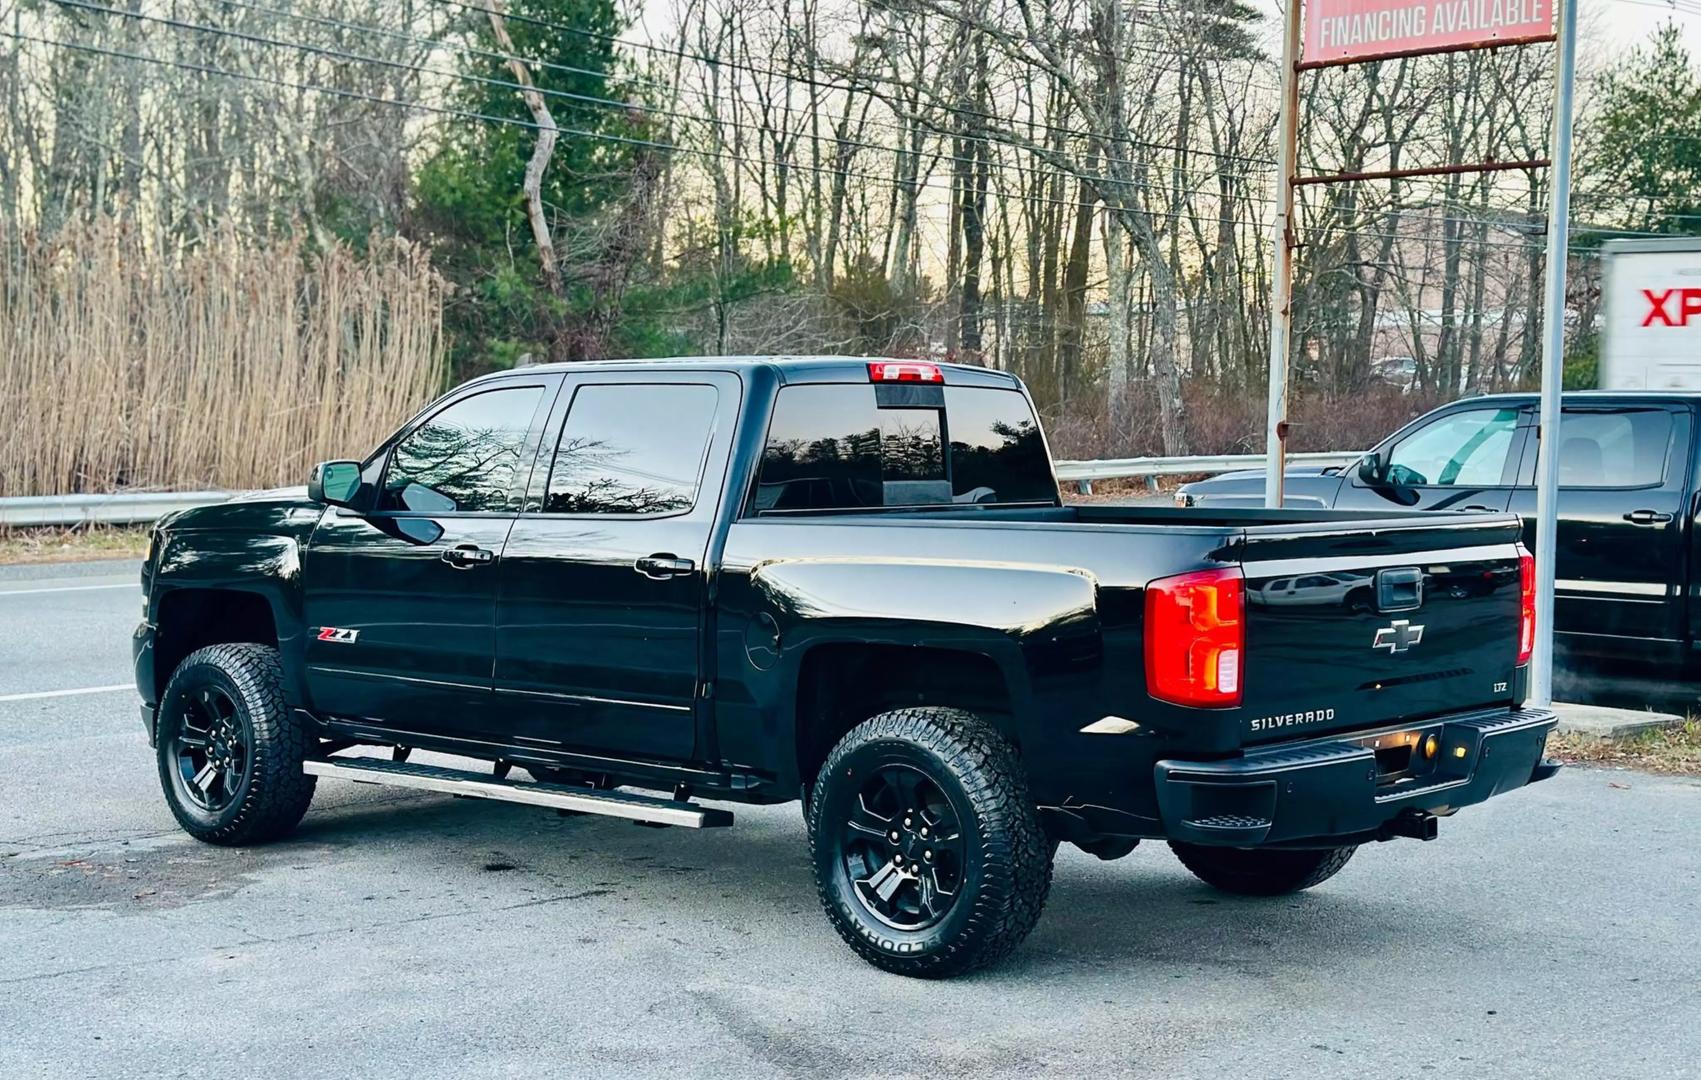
x=1016, y=852
x=279, y=791
x=1262, y=872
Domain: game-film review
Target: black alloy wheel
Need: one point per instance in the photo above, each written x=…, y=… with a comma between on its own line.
x=230, y=749
x=928, y=852
x=902, y=846
x=211, y=748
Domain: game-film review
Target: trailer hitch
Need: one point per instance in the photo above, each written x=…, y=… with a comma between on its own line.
x=1416, y=824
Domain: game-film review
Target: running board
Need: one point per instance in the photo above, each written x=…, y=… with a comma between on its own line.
x=617, y=804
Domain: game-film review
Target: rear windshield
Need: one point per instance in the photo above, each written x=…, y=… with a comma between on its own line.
x=845, y=447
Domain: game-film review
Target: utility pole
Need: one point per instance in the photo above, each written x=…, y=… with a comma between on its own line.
x=1540, y=690
x=1281, y=290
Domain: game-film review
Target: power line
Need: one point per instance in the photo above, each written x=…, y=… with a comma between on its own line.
x=1677, y=7
x=874, y=179
x=507, y=84
x=548, y=65
x=807, y=80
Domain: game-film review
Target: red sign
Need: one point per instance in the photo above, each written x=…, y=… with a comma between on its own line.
x=1672, y=307
x=1365, y=29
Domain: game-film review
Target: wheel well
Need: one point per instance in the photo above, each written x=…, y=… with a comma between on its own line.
x=840, y=686
x=191, y=619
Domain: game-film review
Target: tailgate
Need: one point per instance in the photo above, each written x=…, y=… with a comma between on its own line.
x=1350, y=625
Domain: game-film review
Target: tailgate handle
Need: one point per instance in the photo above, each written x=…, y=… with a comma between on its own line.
x=1399, y=588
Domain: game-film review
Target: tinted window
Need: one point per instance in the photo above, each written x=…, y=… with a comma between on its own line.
x=1613, y=447
x=836, y=447
x=631, y=449
x=1467, y=449
x=464, y=457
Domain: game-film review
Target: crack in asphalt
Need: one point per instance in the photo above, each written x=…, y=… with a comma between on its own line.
x=252, y=938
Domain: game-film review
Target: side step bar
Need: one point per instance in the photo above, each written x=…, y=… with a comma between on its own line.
x=616, y=804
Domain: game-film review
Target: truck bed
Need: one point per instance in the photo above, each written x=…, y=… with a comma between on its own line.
x=1353, y=619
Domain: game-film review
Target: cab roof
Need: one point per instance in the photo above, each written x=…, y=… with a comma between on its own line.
x=789, y=369
x=1523, y=397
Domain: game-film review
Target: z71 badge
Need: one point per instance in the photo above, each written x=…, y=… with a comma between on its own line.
x=337, y=633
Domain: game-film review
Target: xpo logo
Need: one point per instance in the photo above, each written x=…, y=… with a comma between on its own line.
x=1672, y=307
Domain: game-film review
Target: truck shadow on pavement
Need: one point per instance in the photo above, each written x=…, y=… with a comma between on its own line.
x=722, y=892
x=754, y=881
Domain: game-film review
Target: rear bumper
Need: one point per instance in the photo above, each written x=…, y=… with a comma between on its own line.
x=1336, y=790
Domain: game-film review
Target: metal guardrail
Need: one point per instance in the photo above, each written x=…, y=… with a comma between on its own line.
x=129, y=508
x=139, y=508
x=1084, y=473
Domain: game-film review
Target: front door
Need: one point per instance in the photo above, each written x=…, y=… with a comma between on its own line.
x=400, y=600
x=1621, y=563
x=1466, y=459
x=599, y=624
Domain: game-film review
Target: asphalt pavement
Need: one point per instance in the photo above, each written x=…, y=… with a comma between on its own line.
x=1552, y=932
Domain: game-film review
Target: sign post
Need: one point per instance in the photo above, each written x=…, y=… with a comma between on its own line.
x=1540, y=691
x=1281, y=297
x=1341, y=32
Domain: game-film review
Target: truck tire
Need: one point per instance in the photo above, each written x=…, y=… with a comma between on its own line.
x=928, y=852
x=1261, y=871
x=230, y=750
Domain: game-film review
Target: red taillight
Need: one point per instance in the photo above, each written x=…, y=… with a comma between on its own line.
x=1196, y=638
x=1526, y=606
x=904, y=371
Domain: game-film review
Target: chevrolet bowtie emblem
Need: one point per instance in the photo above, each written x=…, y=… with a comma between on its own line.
x=1398, y=636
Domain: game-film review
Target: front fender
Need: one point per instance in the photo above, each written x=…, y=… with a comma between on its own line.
x=265, y=564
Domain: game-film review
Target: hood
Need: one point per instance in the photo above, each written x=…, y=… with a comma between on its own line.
x=285, y=509
x=1258, y=474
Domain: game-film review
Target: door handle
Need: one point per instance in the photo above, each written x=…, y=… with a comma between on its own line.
x=1480, y=508
x=467, y=556
x=1647, y=517
x=663, y=565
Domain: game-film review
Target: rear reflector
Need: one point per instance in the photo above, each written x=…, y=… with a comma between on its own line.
x=904, y=371
x=1195, y=638
x=1526, y=606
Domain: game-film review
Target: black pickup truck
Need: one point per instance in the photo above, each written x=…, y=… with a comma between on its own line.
x=755, y=580
x=1628, y=502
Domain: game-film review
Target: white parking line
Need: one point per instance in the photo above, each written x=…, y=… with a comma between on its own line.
x=68, y=693
x=71, y=588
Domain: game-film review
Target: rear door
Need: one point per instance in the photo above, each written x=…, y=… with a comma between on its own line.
x=1622, y=561
x=1463, y=459
x=600, y=620
x=400, y=601
x=1378, y=623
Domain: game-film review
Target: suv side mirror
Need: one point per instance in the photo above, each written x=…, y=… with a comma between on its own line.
x=334, y=482
x=1371, y=469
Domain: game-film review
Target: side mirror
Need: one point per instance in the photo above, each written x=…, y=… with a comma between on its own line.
x=335, y=483
x=1372, y=470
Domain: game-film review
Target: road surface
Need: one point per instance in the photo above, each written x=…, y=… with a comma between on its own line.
x=1550, y=933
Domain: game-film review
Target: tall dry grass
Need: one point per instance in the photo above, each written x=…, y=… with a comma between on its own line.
x=231, y=363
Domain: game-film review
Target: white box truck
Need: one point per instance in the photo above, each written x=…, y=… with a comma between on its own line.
x=1651, y=314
